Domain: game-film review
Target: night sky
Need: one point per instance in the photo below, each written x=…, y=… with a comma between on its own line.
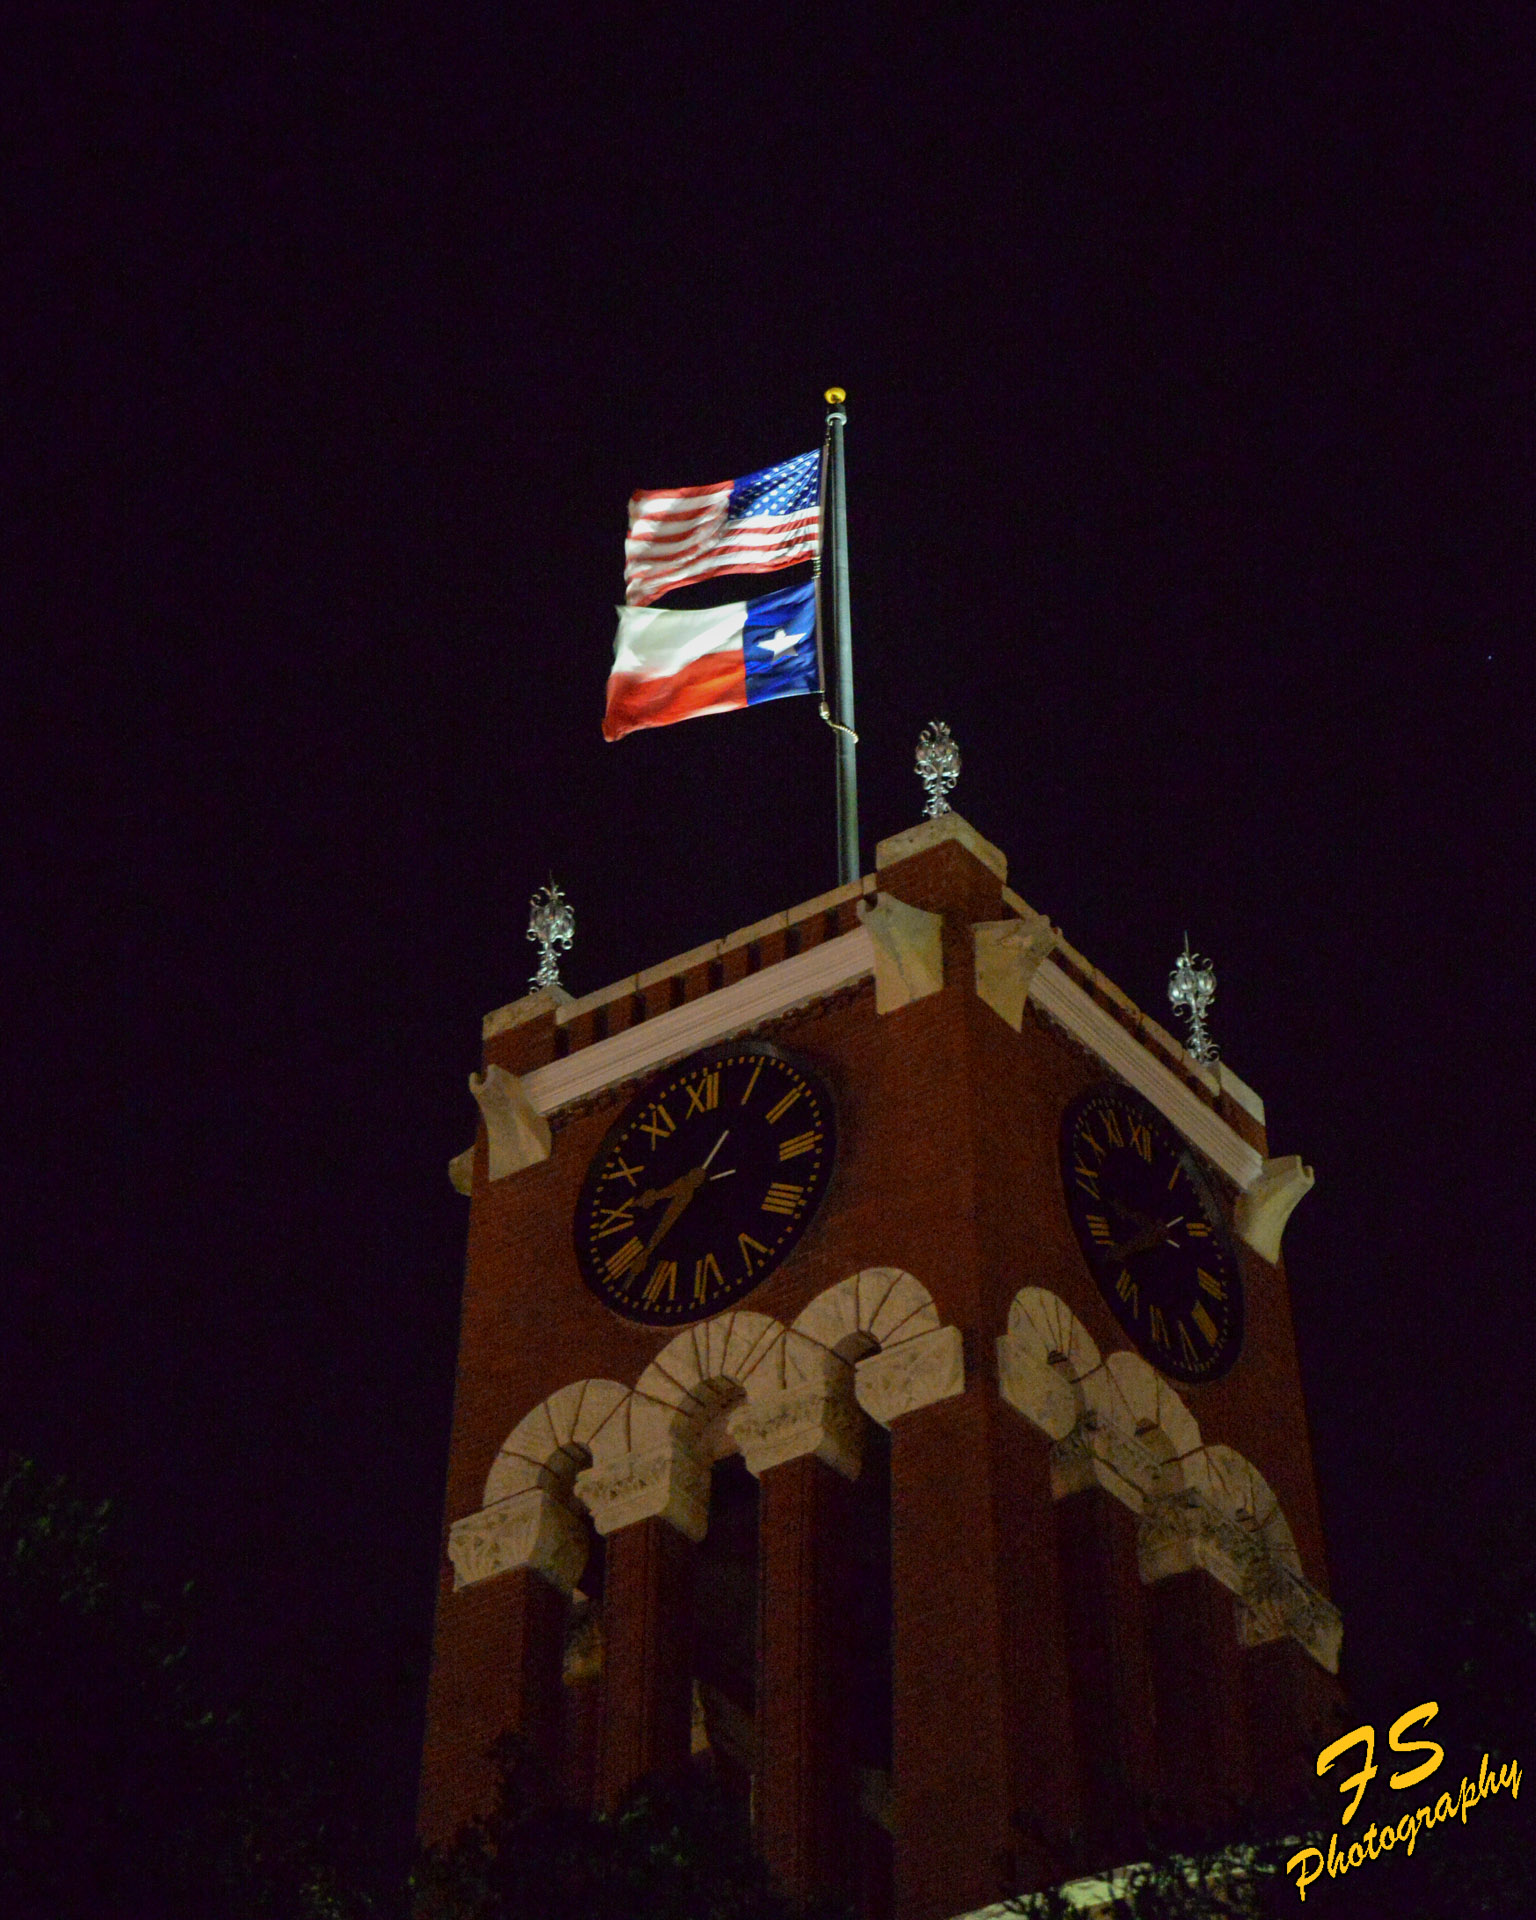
x=1189, y=459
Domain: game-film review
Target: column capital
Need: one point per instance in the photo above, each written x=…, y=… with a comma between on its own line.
x=667, y=1483
x=817, y=1419
x=530, y=1530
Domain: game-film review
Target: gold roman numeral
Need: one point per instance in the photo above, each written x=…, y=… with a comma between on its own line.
x=748, y=1247
x=613, y=1219
x=663, y=1275
x=621, y=1170
x=1159, y=1325
x=1187, y=1346
x=1087, y=1178
x=783, y=1197
x=800, y=1143
x=747, y=1095
x=628, y=1259
x=703, y=1093
x=1198, y=1229
x=1141, y=1139
x=780, y=1107
x=659, y=1124
x=1129, y=1292
x=706, y=1272
x=1111, y=1123
x=1204, y=1322
x=1098, y=1226
x=1214, y=1287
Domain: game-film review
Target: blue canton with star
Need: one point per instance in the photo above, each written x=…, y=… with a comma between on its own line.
x=779, y=644
x=790, y=487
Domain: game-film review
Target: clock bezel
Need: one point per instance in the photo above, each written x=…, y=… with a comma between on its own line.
x=1105, y=1269
x=686, y=1314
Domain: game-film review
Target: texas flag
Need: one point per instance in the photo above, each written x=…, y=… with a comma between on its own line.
x=672, y=665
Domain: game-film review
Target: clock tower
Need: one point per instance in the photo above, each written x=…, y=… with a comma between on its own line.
x=877, y=1387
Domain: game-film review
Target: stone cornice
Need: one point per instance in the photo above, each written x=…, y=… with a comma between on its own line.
x=1055, y=993
x=668, y=1036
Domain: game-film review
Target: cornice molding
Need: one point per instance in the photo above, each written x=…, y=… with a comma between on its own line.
x=714, y=1016
x=1055, y=993
x=838, y=962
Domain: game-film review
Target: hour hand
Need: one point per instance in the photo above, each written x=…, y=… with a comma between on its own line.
x=680, y=1192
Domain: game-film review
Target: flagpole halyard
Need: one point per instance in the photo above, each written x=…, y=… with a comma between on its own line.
x=833, y=600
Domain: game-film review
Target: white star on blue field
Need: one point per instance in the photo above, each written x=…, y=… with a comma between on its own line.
x=781, y=626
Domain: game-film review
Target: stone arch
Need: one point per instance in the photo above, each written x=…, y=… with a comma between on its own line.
x=881, y=1322
x=1042, y=1359
x=694, y=1374
x=545, y=1449
x=868, y=1312
x=1237, y=1491
x=532, y=1513
x=1052, y=1334
x=1130, y=1396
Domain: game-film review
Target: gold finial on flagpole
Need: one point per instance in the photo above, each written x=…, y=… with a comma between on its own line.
x=835, y=396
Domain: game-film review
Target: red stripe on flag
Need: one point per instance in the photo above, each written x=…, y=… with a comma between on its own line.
x=717, y=683
x=648, y=583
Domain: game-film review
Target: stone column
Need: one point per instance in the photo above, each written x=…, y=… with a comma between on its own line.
x=647, y=1625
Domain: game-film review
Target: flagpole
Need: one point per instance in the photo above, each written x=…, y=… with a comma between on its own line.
x=833, y=599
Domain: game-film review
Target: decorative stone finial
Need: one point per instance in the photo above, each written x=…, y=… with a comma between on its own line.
x=552, y=923
x=1192, y=988
x=938, y=766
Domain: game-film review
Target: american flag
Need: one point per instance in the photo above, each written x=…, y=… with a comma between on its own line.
x=681, y=535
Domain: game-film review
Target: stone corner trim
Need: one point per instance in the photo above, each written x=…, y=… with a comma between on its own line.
x=517, y=1135
x=948, y=825
x=1264, y=1209
x=1007, y=954
x=518, y=1013
x=909, y=955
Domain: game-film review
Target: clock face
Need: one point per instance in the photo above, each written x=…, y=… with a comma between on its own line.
x=705, y=1184
x=1153, y=1233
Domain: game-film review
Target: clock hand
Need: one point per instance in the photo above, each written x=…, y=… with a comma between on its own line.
x=682, y=1192
x=677, y=1194
x=1151, y=1233
x=1138, y=1243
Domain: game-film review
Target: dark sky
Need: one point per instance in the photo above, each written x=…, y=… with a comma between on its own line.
x=1188, y=355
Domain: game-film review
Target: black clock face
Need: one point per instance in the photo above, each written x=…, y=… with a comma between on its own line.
x=705, y=1184
x=1153, y=1233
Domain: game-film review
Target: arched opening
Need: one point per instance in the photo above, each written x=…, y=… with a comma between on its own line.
x=725, y=1631
x=581, y=1674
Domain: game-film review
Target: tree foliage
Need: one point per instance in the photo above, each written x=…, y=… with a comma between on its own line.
x=121, y=1791
x=672, y=1852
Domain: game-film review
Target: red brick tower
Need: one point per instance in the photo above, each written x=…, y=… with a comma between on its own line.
x=919, y=1505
